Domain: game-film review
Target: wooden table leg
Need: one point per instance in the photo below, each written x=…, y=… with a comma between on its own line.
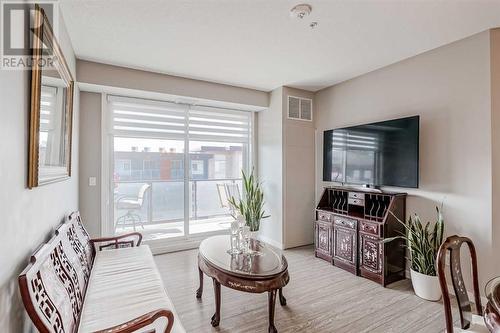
x=199, y=292
x=272, y=302
x=216, y=316
x=282, y=298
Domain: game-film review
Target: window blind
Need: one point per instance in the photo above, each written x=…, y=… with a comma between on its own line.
x=134, y=117
x=47, y=108
x=215, y=124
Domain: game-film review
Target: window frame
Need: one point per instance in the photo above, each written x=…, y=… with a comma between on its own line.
x=107, y=169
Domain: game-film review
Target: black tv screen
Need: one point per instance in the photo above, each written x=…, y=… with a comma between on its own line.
x=379, y=154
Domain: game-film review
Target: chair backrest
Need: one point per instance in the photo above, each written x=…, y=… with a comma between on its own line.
x=142, y=193
x=452, y=246
x=232, y=190
x=54, y=283
x=221, y=190
x=226, y=191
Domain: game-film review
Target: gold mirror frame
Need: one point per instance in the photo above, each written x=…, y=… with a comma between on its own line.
x=44, y=34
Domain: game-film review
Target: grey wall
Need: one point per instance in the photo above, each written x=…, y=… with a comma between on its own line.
x=121, y=77
x=495, y=132
x=298, y=175
x=28, y=216
x=110, y=79
x=285, y=153
x=449, y=88
x=90, y=161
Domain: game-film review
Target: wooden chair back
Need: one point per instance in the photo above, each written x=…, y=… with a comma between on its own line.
x=452, y=245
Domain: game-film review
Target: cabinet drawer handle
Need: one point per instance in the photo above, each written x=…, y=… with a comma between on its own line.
x=324, y=217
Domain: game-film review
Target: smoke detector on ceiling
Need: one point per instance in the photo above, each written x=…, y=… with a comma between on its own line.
x=300, y=11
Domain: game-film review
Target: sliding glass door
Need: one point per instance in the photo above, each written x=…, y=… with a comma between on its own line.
x=173, y=167
x=148, y=186
x=218, y=150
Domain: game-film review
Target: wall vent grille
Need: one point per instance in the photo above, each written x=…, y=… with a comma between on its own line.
x=299, y=108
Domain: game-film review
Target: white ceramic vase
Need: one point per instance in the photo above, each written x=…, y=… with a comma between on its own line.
x=426, y=286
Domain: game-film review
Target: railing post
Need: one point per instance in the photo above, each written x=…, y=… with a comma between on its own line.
x=150, y=203
x=195, y=199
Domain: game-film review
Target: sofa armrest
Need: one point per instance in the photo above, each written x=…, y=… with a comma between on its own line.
x=118, y=241
x=142, y=321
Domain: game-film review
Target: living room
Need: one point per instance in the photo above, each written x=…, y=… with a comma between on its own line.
x=250, y=166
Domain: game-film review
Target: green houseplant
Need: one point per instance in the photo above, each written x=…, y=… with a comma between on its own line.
x=251, y=207
x=423, y=242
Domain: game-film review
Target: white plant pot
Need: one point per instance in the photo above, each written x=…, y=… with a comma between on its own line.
x=426, y=286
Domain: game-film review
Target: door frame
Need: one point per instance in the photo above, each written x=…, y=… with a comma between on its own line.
x=164, y=245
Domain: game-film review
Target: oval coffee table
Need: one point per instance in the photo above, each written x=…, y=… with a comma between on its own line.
x=266, y=271
x=492, y=311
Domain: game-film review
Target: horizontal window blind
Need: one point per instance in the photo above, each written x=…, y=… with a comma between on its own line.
x=214, y=124
x=48, y=102
x=355, y=140
x=133, y=117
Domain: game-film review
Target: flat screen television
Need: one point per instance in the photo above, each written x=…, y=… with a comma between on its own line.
x=378, y=154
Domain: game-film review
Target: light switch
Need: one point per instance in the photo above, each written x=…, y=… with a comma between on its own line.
x=92, y=181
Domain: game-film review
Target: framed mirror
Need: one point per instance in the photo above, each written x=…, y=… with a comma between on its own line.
x=51, y=118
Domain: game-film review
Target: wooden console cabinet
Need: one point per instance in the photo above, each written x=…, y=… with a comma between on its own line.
x=350, y=227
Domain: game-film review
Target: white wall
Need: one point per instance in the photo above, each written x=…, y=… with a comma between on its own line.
x=449, y=88
x=270, y=166
x=298, y=174
x=28, y=216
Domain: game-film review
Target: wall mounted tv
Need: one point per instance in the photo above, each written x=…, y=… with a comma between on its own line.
x=378, y=154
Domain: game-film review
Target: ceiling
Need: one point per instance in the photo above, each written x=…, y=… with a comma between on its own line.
x=255, y=43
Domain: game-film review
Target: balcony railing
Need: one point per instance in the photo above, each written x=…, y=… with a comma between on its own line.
x=163, y=201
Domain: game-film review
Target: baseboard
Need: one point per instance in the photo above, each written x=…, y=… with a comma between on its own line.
x=271, y=242
x=158, y=249
x=161, y=247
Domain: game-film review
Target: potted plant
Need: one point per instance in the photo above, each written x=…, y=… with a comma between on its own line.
x=251, y=207
x=423, y=242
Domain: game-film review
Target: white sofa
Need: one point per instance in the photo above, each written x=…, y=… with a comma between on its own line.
x=77, y=284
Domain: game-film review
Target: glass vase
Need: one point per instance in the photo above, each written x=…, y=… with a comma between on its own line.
x=234, y=238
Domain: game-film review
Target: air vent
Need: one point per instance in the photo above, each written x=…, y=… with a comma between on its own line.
x=299, y=108
x=305, y=109
x=293, y=107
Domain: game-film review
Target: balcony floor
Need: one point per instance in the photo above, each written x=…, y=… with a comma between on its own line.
x=176, y=229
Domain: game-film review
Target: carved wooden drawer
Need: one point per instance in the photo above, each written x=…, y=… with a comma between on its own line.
x=323, y=239
x=370, y=253
x=324, y=216
x=369, y=227
x=357, y=202
x=356, y=195
x=345, y=222
x=345, y=244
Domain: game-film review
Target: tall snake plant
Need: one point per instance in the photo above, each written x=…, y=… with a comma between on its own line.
x=251, y=207
x=422, y=241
